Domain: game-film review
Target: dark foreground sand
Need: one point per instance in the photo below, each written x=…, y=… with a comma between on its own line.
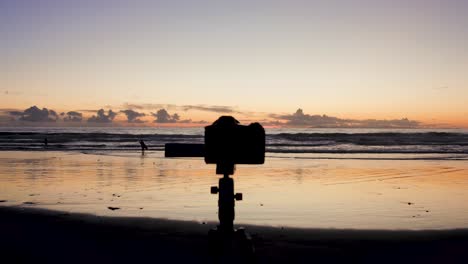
x=31, y=235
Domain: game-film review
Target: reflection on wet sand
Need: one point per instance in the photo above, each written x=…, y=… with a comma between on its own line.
x=370, y=194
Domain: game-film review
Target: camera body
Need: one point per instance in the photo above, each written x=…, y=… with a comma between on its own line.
x=227, y=142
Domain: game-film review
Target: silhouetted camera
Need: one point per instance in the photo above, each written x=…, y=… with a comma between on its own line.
x=226, y=142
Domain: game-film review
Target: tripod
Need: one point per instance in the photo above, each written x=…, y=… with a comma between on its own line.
x=225, y=240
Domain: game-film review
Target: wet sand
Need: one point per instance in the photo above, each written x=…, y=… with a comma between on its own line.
x=37, y=235
x=342, y=194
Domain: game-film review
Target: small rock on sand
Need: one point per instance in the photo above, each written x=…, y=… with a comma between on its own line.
x=2, y=201
x=29, y=203
x=113, y=208
x=410, y=203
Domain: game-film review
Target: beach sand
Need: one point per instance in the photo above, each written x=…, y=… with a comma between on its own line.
x=30, y=235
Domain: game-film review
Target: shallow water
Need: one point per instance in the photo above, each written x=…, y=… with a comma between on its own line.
x=331, y=191
x=440, y=143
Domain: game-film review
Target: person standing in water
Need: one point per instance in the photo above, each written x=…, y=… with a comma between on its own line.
x=46, y=142
x=143, y=147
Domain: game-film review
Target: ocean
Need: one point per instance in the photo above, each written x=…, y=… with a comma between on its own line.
x=298, y=142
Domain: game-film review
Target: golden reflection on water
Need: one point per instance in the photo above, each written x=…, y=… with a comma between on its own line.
x=370, y=194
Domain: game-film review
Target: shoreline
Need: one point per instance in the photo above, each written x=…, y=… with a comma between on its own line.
x=41, y=235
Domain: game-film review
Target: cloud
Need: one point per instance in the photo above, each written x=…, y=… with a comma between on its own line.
x=201, y=122
x=324, y=121
x=133, y=116
x=149, y=106
x=205, y=108
x=162, y=116
x=53, y=114
x=209, y=108
x=101, y=116
x=16, y=113
x=72, y=116
x=301, y=119
x=34, y=114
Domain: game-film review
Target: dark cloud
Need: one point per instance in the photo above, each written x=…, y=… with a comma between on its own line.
x=162, y=116
x=73, y=116
x=53, y=114
x=16, y=113
x=34, y=114
x=101, y=116
x=324, y=121
x=301, y=119
x=133, y=116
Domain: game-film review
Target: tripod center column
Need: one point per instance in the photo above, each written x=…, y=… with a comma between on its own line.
x=226, y=204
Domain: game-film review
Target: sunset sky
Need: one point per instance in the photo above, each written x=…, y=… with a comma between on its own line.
x=259, y=60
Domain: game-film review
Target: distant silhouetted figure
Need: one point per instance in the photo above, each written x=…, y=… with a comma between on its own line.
x=143, y=147
x=46, y=142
